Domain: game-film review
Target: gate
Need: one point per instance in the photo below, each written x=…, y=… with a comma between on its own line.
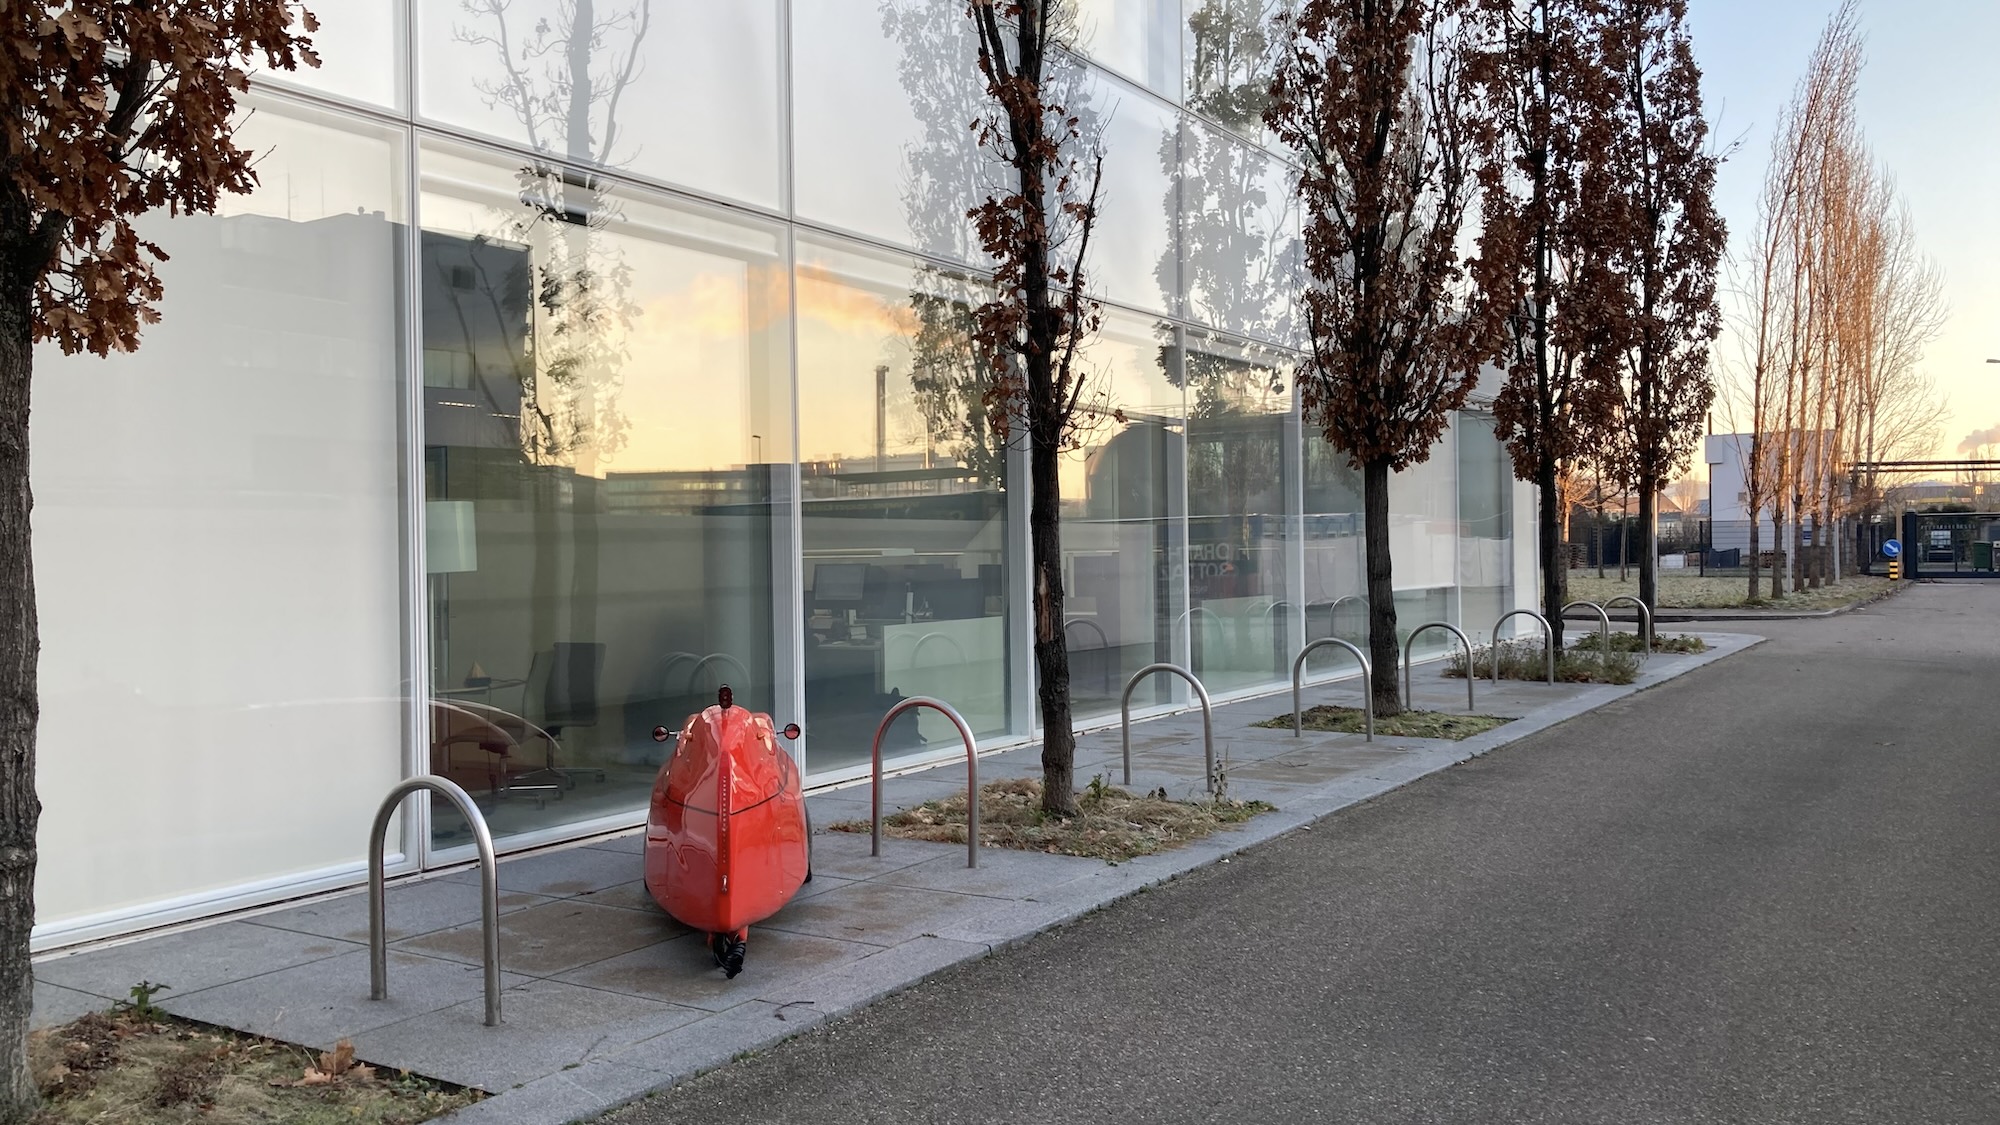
x=1951, y=544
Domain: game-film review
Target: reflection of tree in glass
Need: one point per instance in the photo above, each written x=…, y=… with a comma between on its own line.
x=1239, y=254
x=944, y=174
x=573, y=65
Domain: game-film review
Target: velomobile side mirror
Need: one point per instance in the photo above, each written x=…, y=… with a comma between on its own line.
x=791, y=730
x=661, y=734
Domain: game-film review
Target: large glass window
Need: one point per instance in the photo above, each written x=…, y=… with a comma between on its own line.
x=1133, y=248
x=217, y=543
x=1140, y=39
x=1121, y=506
x=1240, y=248
x=605, y=397
x=679, y=90
x=1336, y=575
x=360, y=47
x=891, y=156
x=1485, y=522
x=1239, y=463
x=903, y=493
x=1423, y=539
x=1228, y=61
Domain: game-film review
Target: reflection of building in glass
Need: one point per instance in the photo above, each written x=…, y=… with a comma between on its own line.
x=626, y=417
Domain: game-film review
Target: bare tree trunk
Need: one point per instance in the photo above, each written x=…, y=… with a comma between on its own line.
x=1384, y=655
x=1597, y=528
x=1777, y=547
x=20, y=646
x=1555, y=559
x=1051, y=654
x=1799, y=541
x=1649, y=548
x=1755, y=537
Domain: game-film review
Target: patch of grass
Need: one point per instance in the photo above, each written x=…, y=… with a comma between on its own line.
x=1409, y=724
x=1629, y=642
x=140, y=1069
x=1111, y=824
x=1690, y=591
x=1526, y=659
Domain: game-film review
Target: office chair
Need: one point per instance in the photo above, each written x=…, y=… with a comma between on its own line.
x=563, y=680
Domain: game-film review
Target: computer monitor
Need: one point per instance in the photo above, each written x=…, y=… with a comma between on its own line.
x=839, y=583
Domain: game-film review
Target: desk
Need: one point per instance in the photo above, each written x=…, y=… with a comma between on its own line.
x=482, y=693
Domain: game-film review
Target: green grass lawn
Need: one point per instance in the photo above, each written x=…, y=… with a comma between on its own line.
x=1690, y=591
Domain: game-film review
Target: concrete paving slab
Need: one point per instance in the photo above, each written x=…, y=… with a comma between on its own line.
x=320, y=1003
x=553, y=938
x=683, y=971
x=55, y=1005
x=689, y=1050
x=1002, y=873
x=548, y=1025
x=626, y=896
x=861, y=982
x=844, y=855
x=630, y=843
x=408, y=909
x=561, y=873
x=570, y=1094
x=191, y=960
x=872, y=912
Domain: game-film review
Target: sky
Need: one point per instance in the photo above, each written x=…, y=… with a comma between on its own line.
x=1930, y=106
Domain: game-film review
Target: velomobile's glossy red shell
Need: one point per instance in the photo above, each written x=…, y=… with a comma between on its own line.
x=726, y=841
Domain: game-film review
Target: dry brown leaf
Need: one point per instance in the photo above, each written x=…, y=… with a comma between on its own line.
x=339, y=1060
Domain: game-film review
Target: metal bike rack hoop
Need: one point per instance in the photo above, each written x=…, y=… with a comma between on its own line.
x=1548, y=640
x=1207, y=718
x=1298, y=671
x=971, y=773
x=1103, y=645
x=1471, y=673
x=917, y=653
x=489, y=888
x=694, y=677
x=1645, y=620
x=1603, y=617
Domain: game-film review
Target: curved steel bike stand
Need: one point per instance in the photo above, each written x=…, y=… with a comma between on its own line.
x=1299, y=668
x=489, y=888
x=694, y=677
x=971, y=773
x=1471, y=673
x=1548, y=641
x=1207, y=718
x=1602, y=616
x=1103, y=645
x=1645, y=620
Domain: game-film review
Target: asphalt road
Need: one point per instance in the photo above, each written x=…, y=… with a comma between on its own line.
x=1766, y=892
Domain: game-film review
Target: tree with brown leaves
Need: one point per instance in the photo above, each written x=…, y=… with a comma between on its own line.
x=1373, y=97
x=113, y=108
x=1038, y=234
x=1661, y=257
x=1547, y=101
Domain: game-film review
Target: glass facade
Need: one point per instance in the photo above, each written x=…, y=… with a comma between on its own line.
x=556, y=375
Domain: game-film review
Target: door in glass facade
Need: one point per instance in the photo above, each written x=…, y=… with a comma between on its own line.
x=904, y=509
x=1239, y=465
x=1121, y=520
x=605, y=399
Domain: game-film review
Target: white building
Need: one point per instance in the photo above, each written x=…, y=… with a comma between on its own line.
x=457, y=415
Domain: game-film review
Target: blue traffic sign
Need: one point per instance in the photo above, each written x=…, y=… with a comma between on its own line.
x=1892, y=549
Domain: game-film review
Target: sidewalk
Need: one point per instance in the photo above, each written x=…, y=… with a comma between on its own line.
x=607, y=998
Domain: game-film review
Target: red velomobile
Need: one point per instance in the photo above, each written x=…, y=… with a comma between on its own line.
x=728, y=841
